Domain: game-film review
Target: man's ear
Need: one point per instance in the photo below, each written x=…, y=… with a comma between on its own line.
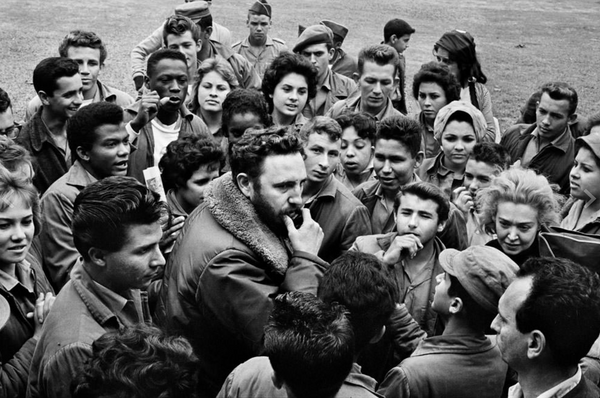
x=82, y=154
x=43, y=97
x=393, y=39
x=535, y=344
x=97, y=256
x=456, y=305
x=331, y=53
x=245, y=184
x=572, y=119
x=441, y=226
x=419, y=159
x=378, y=336
x=199, y=44
x=208, y=32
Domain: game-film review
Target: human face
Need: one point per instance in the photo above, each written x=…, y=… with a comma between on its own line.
x=259, y=26
x=552, y=117
x=376, y=84
x=319, y=56
x=322, y=155
x=7, y=124
x=239, y=123
x=278, y=190
x=418, y=217
x=89, y=63
x=212, y=92
x=109, y=153
x=393, y=164
x=170, y=79
x=138, y=262
x=186, y=45
x=356, y=152
x=401, y=43
x=432, y=98
x=585, y=176
x=290, y=95
x=479, y=175
x=458, y=140
x=16, y=232
x=441, y=298
x=66, y=99
x=443, y=56
x=511, y=342
x=516, y=227
x=192, y=194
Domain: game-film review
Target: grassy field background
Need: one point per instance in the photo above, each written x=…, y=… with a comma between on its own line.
x=521, y=43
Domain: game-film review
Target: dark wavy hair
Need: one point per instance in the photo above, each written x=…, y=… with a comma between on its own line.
x=381, y=54
x=438, y=73
x=426, y=191
x=282, y=66
x=364, y=124
x=361, y=283
x=491, y=153
x=49, y=70
x=310, y=344
x=405, y=130
x=105, y=210
x=241, y=101
x=138, y=362
x=564, y=305
x=82, y=38
x=185, y=156
x=178, y=25
x=5, y=102
x=249, y=153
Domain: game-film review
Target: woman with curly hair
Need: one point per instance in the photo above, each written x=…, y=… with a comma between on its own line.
x=188, y=166
x=214, y=81
x=516, y=205
x=456, y=49
x=288, y=84
x=433, y=87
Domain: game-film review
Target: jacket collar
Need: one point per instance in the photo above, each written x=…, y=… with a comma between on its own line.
x=79, y=176
x=464, y=344
x=39, y=132
x=234, y=212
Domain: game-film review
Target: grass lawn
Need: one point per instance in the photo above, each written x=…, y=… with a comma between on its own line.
x=521, y=43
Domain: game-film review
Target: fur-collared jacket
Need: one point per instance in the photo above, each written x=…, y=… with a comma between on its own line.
x=221, y=278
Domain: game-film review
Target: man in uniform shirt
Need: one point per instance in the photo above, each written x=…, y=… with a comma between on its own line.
x=341, y=63
x=259, y=48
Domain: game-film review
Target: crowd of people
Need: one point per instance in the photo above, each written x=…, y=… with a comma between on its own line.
x=269, y=221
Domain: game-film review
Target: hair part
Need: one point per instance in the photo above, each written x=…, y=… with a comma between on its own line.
x=105, y=210
x=321, y=125
x=564, y=305
x=282, y=66
x=310, y=344
x=218, y=65
x=177, y=25
x=82, y=38
x=562, y=91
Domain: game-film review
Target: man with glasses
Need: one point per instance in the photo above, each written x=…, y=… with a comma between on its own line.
x=8, y=126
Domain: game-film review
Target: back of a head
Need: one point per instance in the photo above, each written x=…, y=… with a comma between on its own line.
x=12, y=155
x=491, y=153
x=248, y=154
x=361, y=283
x=81, y=130
x=438, y=73
x=49, y=70
x=564, y=305
x=310, y=344
x=562, y=91
x=82, y=38
x=104, y=211
x=381, y=54
x=405, y=130
x=138, y=362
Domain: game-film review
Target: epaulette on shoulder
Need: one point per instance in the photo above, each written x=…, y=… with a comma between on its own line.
x=236, y=44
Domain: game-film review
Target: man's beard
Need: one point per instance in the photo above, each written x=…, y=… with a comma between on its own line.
x=269, y=217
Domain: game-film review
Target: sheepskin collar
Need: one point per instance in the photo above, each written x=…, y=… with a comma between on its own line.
x=234, y=212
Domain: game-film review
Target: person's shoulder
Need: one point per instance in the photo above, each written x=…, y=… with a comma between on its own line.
x=371, y=243
x=117, y=96
x=367, y=188
x=345, y=194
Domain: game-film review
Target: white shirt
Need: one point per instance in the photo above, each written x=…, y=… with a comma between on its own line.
x=558, y=391
x=163, y=135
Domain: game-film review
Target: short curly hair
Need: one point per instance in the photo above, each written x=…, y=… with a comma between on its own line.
x=438, y=73
x=82, y=38
x=185, y=156
x=282, y=66
x=241, y=101
x=520, y=186
x=138, y=362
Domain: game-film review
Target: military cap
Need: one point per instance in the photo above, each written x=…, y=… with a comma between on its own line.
x=195, y=10
x=261, y=7
x=314, y=34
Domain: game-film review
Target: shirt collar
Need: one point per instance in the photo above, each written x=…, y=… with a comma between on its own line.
x=79, y=176
x=561, y=142
x=23, y=274
x=558, y=391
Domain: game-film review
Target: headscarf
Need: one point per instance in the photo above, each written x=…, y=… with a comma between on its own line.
x=441, y=120
x=460, y=45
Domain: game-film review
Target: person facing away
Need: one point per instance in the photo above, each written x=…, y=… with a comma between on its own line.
x=117, y=230
x=462, y=361
x=548, y=319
